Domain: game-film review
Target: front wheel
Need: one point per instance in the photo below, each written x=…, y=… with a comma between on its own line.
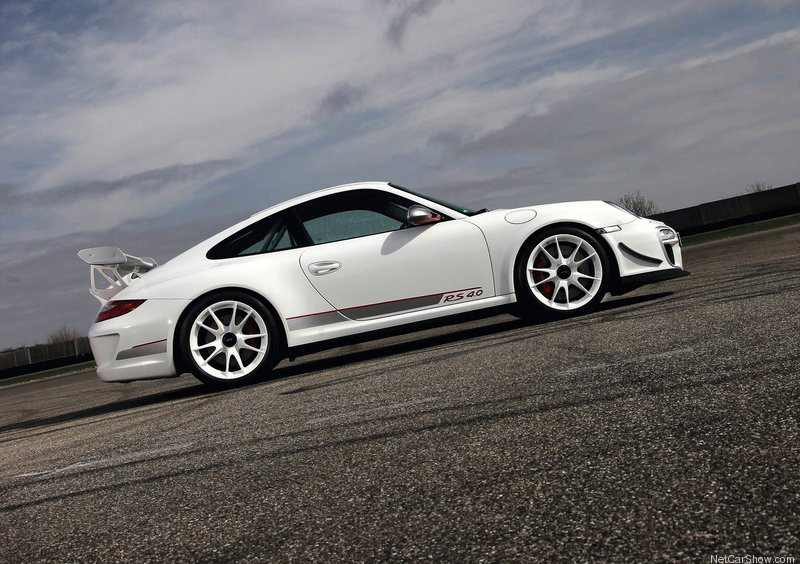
x=229, y=339
x=561, y=272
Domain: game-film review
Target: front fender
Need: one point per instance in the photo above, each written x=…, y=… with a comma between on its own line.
x=505, y=239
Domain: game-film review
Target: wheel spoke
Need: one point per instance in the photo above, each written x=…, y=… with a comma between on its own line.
x=248, y=337
x=207, y=328
x=206, y=346
x=578, y=286
x=550, y=257
x=235, y=354
x=575, y=252
x=211, y=356
x=584, y=259
x=548, y=271
x=243, y=345
x=582, y=275
x=220, y=326
x=232, y=324
x=246, y=317
x=227, y=362
x=555, y=293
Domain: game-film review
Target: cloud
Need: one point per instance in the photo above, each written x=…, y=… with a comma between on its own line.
x=145, y=184
x=399, y=23
x=102, y=205
x=7, y=191
x=188, y=82
x=527, y=185
x=658, y=130
x=341, y=98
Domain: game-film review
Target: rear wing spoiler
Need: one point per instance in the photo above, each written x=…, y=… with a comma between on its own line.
x=111, y=270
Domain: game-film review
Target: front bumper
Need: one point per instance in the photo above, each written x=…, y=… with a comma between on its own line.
x=639, y=249
x=137, y=345
x=629, y=283
x=641, y=255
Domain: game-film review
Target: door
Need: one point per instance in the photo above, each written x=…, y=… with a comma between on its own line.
x=367, y=262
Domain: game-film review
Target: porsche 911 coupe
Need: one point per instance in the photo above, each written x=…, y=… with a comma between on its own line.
x=357, y=259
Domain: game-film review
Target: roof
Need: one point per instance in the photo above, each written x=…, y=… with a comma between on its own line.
x=380, y=185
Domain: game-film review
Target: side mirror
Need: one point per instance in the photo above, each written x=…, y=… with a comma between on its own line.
x=420, y=215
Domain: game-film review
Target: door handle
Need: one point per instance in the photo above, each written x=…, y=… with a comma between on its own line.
x=324, y=267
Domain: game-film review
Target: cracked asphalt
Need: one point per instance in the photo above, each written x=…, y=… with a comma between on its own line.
x=663, y=427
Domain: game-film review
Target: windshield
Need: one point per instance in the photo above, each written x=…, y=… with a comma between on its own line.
x=459, y=209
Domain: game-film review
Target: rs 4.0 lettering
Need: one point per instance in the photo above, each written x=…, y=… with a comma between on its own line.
x=460, y=296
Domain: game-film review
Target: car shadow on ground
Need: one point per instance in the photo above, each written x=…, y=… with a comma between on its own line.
x=504, y=324
x=112, y=407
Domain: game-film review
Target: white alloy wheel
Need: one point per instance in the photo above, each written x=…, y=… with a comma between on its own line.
x=564, y=272
x=228, y=340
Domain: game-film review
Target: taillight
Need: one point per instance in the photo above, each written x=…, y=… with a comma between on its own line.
x=115, y=309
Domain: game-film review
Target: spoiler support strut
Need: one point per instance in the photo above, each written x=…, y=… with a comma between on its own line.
x=115, y=268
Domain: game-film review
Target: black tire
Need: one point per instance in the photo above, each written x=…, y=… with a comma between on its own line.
x=225, y=368
x=541, y=294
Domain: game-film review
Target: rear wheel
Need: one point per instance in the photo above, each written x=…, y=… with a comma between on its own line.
x=229, y=339
x=561, y=272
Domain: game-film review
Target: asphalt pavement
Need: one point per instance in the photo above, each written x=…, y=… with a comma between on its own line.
x=663, y=427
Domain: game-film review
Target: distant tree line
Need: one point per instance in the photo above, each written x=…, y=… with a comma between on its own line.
x=644, y=206
x=757, y=187
x=638, y=203
x=63, y=334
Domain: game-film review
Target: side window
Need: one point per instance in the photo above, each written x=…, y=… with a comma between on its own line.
x=348, y=224
x=265, y=236
x=353, y=214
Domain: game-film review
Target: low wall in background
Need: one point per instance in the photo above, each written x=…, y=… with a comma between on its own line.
x=43, y=357
x=734, y=211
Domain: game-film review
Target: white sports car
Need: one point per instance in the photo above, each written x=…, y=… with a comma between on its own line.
x=356, y=259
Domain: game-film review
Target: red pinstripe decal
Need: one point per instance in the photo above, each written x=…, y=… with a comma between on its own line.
x=311, y=314
x=150, y=343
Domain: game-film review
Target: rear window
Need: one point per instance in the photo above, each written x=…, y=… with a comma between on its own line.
x=268, y=235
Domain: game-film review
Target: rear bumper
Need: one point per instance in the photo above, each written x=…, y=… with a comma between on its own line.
x=137, y=345
x=629, y=283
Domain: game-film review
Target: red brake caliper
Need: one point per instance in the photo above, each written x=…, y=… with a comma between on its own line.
x=250, y=328
x=545, y=289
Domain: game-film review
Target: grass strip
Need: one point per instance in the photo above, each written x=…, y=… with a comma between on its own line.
x=744, y=229
x=61, y=371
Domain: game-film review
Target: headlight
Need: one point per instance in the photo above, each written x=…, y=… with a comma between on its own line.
x=667, y=234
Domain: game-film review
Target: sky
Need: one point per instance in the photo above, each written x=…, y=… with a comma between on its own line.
x=152, y=125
